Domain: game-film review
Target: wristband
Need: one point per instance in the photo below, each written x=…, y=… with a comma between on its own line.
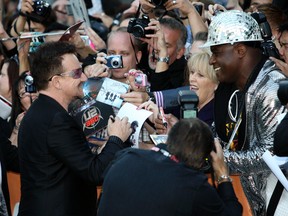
x=224, y=178
x=22, y=14
x=183, y=18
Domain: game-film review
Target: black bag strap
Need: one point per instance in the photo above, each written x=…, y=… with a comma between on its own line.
x=273, y=203
x=275, y=198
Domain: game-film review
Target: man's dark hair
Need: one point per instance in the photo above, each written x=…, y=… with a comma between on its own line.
x=191, y=141
x=283, y=27
x=47, y=61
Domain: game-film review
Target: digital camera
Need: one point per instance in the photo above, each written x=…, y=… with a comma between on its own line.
x=158, y=2
x=136, y=26
x=141, y=80
x=42, y=11
x=29, y=84
x=114, y=61
x=268, y=46
x=199, y=8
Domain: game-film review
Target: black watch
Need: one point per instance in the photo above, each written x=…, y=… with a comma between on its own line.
x=164, y=59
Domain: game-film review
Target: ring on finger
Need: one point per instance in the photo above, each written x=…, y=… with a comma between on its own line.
x=174, y=2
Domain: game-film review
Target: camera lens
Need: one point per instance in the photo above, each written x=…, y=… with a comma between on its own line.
x=28, y=80
x=138, y=79
x=115, y=62
x=39, y=7
x=138, y=31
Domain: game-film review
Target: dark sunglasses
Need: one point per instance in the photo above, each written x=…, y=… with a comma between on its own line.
x=75, y=74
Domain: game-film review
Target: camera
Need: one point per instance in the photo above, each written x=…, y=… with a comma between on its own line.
x=141, y=80
x=29, y=84
x=42, y=11
x=158, y=2
x=268, y=46
x=188, y=101
x=136, y=26
x=114, y=61
x=282, y=92
x=199, y=8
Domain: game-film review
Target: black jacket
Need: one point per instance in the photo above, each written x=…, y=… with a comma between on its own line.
x=9, y=162
x=145, y=182
x=59, y=173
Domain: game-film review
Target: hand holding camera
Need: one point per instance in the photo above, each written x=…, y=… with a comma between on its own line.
x=114, y=61
x=137, y=27
x=26, y=7
x=138, y=80
x=36, y=10
x=111, y=61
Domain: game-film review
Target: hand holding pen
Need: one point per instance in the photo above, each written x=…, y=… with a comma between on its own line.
x=162, y=120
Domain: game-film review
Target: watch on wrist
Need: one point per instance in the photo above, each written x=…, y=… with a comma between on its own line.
x=164, y=59
x=224, y=178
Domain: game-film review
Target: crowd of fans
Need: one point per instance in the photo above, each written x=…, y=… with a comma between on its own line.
x=231, y=54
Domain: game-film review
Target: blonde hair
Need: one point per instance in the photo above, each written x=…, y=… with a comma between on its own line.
x=199, y=62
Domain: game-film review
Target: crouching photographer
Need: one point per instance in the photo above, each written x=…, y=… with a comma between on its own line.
x=189, y=146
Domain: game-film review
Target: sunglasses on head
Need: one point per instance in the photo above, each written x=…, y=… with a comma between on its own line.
x=75, y=74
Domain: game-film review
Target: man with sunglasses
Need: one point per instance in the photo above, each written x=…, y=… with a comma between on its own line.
x=59, y=174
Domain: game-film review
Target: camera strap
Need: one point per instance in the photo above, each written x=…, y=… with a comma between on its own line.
x=137, y=61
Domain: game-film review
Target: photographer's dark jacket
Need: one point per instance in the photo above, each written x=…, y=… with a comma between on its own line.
x=145, y=182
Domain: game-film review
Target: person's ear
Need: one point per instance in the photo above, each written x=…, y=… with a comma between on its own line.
x=180, y=52
x=241, y=50
x=56, y=82
x=139, y=56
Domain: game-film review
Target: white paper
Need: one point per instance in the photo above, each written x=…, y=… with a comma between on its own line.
x=5, y=108
x=273, y=165
x=136, y=118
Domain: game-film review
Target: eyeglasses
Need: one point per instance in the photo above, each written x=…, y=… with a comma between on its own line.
x=75, y=74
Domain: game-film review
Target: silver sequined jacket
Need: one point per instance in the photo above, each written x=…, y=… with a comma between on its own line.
x=262, y=108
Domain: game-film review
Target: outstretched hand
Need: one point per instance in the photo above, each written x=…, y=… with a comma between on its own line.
x=160, y=127
x=218, y=163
